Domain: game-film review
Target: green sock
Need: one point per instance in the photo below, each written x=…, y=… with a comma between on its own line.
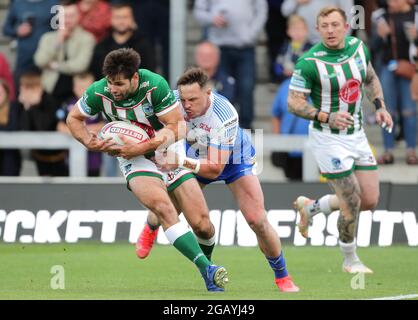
x=207, y=250
x=188, y=246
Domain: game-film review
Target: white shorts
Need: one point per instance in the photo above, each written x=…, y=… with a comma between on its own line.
x=338, y=155
x=141, y=166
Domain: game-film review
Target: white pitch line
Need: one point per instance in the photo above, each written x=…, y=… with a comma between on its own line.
x=401, y=297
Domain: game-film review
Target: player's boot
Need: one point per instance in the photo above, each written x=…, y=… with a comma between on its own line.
x=355, y=266
x=215, y=277
x=145, y=241
x=286, y=284
x=301, y=206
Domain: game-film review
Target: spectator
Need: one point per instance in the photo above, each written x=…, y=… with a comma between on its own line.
x=153, y=19
x=234, y=29
x=286, y=123
x=95, y=17
x=6, y=75
x=396, y=38
x=63, y=53
x=124, y=35
x=40, y=115
x=292, y=49
x=309, y=9
x=27, y=21
x=207, y=57
x=276, y=34
x=10, y=160
x=81, y=82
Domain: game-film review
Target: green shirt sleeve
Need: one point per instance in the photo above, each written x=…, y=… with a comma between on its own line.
x=90, y=102
x=303, y=76
x=163, y=98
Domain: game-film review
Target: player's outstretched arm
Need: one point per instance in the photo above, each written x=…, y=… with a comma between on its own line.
x=374, y=92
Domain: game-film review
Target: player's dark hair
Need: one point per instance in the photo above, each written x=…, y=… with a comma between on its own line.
x=193, y=75
x=326, y=11
x=121, y=62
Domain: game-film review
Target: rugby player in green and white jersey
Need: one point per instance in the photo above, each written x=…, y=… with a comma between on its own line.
x=334, y=73
x=138, y=95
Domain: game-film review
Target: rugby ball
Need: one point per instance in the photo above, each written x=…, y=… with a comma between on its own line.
x=137, y=132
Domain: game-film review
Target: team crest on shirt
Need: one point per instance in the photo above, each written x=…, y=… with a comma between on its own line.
x=147, y=108
x=127, y=169
x=359, y=63
x=336, y=164
x=350, y=92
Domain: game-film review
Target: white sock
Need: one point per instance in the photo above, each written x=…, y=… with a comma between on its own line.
x=324, y=204
x=349, y=250
x=320, y=205
x=207, y=242
x=176, y=231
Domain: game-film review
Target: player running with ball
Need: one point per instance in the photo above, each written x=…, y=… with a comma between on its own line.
x=140, y=96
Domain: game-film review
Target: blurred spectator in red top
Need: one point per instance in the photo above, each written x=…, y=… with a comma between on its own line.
x=7, y=76
x=95, y=17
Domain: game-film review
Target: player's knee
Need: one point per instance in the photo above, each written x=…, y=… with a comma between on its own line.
x=369, y=203
x=203, y=229
x=161, y=208
x=257, y=223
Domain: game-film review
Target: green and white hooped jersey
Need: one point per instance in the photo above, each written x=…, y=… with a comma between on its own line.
x=152, y=99
x=334, y=79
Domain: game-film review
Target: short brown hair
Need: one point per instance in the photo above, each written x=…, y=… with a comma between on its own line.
x=121, y=62
x=31, y=78
x=193, y=75
x=326, y=11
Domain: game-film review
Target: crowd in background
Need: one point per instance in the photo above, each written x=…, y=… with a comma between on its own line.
x=55, y=65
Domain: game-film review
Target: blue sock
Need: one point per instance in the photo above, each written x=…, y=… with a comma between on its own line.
x=278, y=265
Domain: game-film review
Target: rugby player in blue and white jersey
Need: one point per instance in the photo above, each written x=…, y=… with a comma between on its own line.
x=219, y=150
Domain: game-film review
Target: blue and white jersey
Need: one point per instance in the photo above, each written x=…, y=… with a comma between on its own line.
x=219, y=128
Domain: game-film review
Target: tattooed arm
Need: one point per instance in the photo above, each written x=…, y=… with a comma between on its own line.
x=372, y=86
x=297, y=103
x=374, y=92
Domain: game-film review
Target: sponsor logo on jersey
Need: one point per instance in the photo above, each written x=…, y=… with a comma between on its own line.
x=320, y=54
x=336, y=164
x=342, y=58
x=353, y=41
x=129, y=103
x=332, y=75
x=144, y=84
x=84, y=105
x=297, y=80
x=359, y=63
x=205, y=127
x=167, y=96
x=231, y=123
x=147, y=108
x=127, y=169
x=350, y=92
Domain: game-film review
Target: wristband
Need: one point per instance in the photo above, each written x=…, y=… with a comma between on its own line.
x=322, y=117
x=189, y=164
x=378, y=103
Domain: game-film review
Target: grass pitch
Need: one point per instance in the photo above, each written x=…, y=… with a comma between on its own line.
x=103, y=271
